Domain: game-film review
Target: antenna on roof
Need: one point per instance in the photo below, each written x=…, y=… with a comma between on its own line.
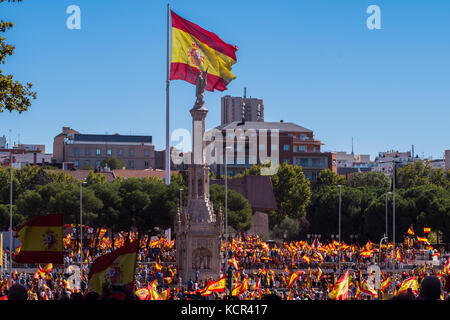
x=352, y=145
x=245, y=92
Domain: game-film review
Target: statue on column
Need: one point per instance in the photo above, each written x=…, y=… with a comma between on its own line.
x=201, y=83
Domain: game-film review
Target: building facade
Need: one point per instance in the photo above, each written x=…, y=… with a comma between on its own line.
x=254, y=142
x=83, y=150
x=234, y=108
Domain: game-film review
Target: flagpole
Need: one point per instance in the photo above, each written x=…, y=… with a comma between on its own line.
x=10, y=213
x=167, y=166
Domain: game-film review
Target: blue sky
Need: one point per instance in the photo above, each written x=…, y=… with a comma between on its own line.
x=313, y=62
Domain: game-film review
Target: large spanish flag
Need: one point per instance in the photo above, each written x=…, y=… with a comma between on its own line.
x=118, y=266
x=194, y=49
x=340, y=290
x=42, y=240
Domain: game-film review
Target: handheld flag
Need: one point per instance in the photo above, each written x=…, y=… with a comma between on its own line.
x=41, y=239
x=426, y=230
x=117, y=267
x=340, y=290
x=194, y=49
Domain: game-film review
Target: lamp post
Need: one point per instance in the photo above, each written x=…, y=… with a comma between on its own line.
x=10, y=213
x=181, y=200
x=339, y=265
x=226, y=208
x=81, y=219
x=393, y=225
x=386, y=235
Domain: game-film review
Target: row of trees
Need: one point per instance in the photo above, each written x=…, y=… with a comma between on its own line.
x=141, y=204
x=422, y=198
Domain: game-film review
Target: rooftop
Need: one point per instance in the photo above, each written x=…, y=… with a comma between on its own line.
x=259, y=125
x=111, y=138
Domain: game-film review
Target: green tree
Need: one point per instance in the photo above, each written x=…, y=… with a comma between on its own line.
x=369, y=179
x=14, y=96
x=292, y=193
x=113, y=163
x=328, y=178
x=413, y=175
x=94, y=178
x=18, y=219
x=239, y=209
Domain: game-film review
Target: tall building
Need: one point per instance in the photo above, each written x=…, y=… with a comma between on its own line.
x=3, y=142
x=234, y=108
x=137, y=152
x=279, y=142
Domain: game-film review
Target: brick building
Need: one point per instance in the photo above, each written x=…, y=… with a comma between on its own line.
x=137, y=152
x=280, y=142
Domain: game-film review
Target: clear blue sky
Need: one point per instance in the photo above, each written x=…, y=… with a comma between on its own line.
x=313, y=62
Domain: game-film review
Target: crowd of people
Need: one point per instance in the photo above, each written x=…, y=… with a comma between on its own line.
x=297, y=270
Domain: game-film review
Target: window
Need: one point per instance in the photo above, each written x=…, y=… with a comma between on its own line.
x=120, y=152
x=108, y=152
x=87, y=162
x=146, y=164
x=98, y=151
x=294, y=148
x=87, y=152
x=75, y=151
x=131, y=152
x=286, y=160
x=301, y=148
x=286, y=147
x=131, y=164
x=274, y=147
x=316, y=149
x=97, y=163
x=76, y=163
x=303, y=136
x=147, y=153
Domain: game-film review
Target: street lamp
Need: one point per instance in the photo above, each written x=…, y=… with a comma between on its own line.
x=340, y=192
x=226, y=208
x=81, y=218
x=10, y=212
x=393, y=224
x=387, y=213
x=181, y=200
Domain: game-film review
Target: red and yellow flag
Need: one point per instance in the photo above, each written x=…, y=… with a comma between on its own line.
x=216, y=286
x=367, y=289
x=119, y=266
x=422, y=239
x=410, y=231
x=340, y=290
x=194, y=49
x=410, y=283
x=292, y=279
x=42, y=240
x=426, y=230
x=385, y=283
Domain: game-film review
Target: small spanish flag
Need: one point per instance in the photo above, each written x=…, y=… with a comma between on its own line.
x=42, y=240
x=216, y=286
x=426, y=230
x=410, y=231
x=340, y=290
x=194, y=49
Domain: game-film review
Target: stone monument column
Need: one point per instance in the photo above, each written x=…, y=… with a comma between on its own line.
x=198, y=231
